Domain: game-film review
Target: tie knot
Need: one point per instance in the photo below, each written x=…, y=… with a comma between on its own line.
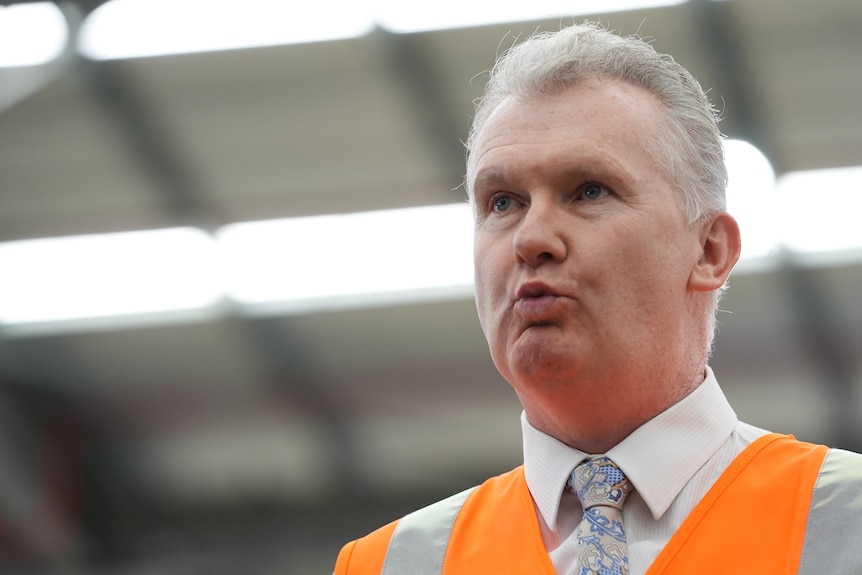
x=600, y=482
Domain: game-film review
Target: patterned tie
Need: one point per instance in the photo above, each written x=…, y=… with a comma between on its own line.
x=602, y=488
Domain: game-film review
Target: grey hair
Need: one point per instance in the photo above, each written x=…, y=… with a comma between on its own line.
x=690, y=148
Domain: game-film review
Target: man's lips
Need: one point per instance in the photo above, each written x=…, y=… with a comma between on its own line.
x=536, y=301
x=533, y=290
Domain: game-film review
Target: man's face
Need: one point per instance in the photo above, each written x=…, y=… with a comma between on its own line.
x=582, y=253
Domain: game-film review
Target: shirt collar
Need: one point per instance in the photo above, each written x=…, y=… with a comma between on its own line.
x=659, y=458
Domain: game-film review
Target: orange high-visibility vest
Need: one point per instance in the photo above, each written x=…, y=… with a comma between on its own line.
x=753, y=520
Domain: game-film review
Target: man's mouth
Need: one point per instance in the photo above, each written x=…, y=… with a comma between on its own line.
x=535, y=301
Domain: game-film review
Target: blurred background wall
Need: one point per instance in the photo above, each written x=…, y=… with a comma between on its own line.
x=227, y=436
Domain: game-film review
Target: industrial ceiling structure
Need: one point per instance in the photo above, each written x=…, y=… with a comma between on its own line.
x=260, y=444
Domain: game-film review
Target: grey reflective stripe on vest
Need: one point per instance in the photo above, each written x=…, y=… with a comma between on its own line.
x=419, y=542
x=833, y=537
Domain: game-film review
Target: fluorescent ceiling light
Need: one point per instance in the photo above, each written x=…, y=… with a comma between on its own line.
x=751, y=197
x=31, y=34
x=106, y=275
x=135, y=28
x=819, y=211
x=404, y=17
x=350, y=259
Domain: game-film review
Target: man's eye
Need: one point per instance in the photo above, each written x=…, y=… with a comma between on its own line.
x=594, y=191
x=502, y=203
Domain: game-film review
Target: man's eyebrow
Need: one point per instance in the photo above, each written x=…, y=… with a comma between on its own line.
x=489, y=177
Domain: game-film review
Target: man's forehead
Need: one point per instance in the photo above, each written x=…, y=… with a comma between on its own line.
x=545, y=111
x=569, y=131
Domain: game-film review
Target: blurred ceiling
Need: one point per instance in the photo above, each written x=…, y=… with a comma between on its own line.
x=264, y=443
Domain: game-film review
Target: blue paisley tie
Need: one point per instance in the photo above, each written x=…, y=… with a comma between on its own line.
x=602, y=488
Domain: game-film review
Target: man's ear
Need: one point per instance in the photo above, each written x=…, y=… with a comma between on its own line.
x=720, y=246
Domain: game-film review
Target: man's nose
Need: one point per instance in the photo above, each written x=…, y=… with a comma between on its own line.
x=538, y=239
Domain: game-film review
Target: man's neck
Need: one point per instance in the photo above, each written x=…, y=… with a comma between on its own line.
x=594, y=423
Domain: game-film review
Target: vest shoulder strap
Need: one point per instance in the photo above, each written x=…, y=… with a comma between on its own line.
x=418, y=545
x=754, y=518
x=835, y=517
x=486, y=530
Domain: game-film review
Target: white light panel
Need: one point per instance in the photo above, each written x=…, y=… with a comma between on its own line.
x=138, y=28
x=93, y=276
x=819, y=212
x=406, y=17
x=751, y=198
x=31, y=34
x=350, y=260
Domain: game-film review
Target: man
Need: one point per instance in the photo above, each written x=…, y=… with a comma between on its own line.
x=602, y=244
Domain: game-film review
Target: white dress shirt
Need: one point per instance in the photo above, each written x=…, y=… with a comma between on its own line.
x=672, y=461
